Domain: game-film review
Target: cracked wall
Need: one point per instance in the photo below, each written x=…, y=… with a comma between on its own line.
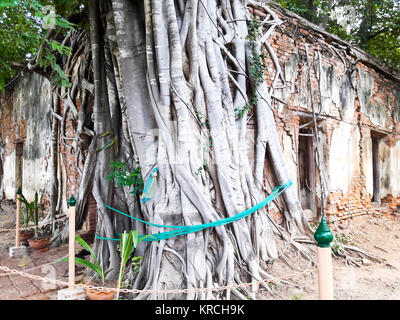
x=26, y=117
x=351, y=102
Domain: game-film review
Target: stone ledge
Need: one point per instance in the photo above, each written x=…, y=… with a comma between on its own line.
x=71, y=294
x=20, y=251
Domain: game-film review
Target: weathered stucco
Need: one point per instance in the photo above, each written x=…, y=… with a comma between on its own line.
x=290, y=158
x=389, y=168
x=31, y=115
x=367, y=165
x=344, y=157
x=347, y=97
x=365, y=86
x=396, y=109
x=351, y=101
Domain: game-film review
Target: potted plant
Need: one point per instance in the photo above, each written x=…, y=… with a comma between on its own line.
x=26, y=232
x=40, y=239
x=94, y=266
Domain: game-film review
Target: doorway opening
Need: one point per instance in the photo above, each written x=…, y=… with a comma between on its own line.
x=19, y=153
x=307, y=169
x=376, y=138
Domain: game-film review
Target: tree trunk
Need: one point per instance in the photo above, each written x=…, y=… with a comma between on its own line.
x=166, y=91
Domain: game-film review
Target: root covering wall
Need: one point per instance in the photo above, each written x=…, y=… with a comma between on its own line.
x=355, y=101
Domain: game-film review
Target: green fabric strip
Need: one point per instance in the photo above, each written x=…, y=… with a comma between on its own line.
x=189, y=229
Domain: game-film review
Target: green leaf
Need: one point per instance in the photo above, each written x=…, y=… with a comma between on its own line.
x=61, y=260
x=93, y=266
x=2, y=86
x=106, y=134
x=127, y=246
x=8, y=3
x=136, y=259
x=107, y=272
x=85, y=263
x=87, y=247
x=88, y=264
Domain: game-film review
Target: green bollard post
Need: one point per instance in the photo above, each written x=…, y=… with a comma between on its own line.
x=324, y=236
x=71, y=250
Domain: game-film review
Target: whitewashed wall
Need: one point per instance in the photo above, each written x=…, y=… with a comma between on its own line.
x=32, y=103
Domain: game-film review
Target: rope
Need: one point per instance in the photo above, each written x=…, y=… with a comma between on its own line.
x=170, y=291
x=61, y=283
x=181, y=230
x=34, y=268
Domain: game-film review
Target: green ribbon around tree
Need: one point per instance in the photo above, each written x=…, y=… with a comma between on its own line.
x=181, y=230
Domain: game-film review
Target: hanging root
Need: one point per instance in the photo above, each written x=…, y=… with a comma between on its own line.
x=172, y=88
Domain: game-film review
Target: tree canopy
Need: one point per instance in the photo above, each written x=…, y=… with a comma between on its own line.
x=26, y=25
x=30, y=37
x=370, y=24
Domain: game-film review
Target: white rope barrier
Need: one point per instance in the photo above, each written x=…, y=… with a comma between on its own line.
x=10, y=271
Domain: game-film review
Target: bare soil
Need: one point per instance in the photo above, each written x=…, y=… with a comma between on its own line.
x=376, y=235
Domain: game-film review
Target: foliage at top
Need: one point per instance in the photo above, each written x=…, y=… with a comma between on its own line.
x=372, y=25
x=257, y=65
x=23, y=28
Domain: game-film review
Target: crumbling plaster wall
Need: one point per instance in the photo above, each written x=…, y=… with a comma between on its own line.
x=389, y=155
x=350, y=101
x=26, y=116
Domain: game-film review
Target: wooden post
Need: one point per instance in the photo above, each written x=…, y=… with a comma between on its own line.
x=18, y=219
x=71, y=248
x=323, y=235
x=72, y=292
x=325, y=277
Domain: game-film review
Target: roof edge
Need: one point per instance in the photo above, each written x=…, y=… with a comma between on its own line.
x=361, y=55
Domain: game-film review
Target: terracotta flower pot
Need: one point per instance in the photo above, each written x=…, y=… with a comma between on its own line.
x=26, y=235
x=39, y=243
x=100, y=295
x=93, y=294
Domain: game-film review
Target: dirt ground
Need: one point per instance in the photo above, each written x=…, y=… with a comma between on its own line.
x=379, y=236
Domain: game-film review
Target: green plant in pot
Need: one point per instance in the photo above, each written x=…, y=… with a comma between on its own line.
x=40, y=240
x=26, y=232
x=97, y=271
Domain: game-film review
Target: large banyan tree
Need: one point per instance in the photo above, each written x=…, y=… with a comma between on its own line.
x=174, y=82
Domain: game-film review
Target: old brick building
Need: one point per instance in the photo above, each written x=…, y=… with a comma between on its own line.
x=357, y=104
x=356, y=101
